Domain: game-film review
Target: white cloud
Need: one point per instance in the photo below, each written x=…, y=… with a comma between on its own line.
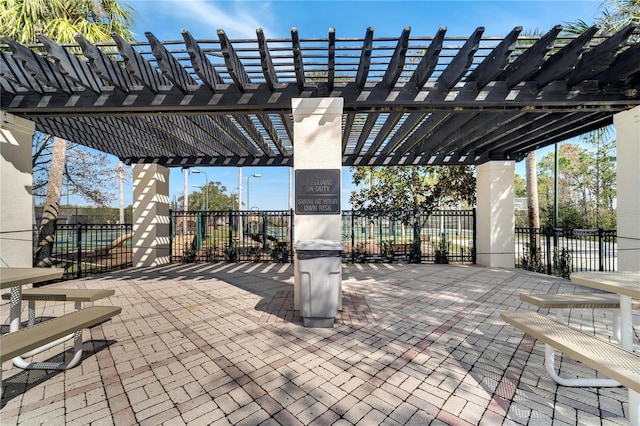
x=239, y=19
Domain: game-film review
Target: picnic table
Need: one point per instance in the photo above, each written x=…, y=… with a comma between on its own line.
x=35, y=338
x=15, y=278
x=624, y=284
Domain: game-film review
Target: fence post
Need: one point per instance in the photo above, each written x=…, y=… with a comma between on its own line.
x=474, y=244
x=547, y=232
x=353, y=238
x=600, y=249
x=79, y=250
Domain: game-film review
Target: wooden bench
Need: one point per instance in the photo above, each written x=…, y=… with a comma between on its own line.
x=621, y=366
x=579, y=301
x=27, y=339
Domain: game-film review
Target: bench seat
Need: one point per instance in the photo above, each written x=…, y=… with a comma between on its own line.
x=27, y=339
x=609, y=359
x=569, y=301
x=621, y=366
x=63, y=294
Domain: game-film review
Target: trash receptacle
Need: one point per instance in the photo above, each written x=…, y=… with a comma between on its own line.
x=319, y=265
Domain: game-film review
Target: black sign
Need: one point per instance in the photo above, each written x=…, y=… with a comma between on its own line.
x=317, y=191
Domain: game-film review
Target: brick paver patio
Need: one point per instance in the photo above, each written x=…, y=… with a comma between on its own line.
x=221, y=344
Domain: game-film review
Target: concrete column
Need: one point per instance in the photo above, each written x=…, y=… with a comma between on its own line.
x=16, y=196
x=317, y=145
x=151, y=228
x=627, y=182
x=495, y=221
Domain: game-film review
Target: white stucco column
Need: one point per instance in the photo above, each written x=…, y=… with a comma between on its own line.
x=317, y=131
x=628, y=186
x=151, y=228
x=16, y=196
x=495, y=221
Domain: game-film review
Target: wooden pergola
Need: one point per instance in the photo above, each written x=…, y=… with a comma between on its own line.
x=437, y=100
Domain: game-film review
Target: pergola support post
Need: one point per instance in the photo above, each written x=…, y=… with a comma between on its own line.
x=317, y=132
x=16, y=182
x=627, y=125
x=151, y=219
x=495, y=214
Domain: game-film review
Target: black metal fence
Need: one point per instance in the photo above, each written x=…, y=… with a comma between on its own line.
x=263, y=236
x=231, y=236
x=445, y=236
x=558, y=251
x=84, y=250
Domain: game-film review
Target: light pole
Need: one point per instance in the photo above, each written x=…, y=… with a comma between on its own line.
x=206, y=196
x=206, y=186
x=255, y=175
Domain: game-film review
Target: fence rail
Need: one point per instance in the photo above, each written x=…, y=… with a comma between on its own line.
x=558, y=251
x=89, y=249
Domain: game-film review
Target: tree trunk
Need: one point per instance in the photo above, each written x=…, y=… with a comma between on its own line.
x=532, y=202
x=532, y=190
x=47, y=232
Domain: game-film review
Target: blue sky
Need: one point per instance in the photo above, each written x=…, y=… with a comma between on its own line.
x=240, y=19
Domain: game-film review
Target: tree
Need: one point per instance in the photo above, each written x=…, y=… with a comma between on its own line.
x=86, y=174
x=409, y=188
x=403, y=191
x=60, y=20
x=616, y=14
x=586, y=180
x=520, y=185
x=214, y=193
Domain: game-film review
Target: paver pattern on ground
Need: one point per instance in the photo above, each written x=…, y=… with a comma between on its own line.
x=203, y=344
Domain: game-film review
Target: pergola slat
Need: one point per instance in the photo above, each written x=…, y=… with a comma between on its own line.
x=365, y=59
x=495, y=62
x=528, y=63
x=462, y=61
x=234, y=66
x=600, y=57
x=396, y=64
x=6, y=86
x=402, y=132
x=560, y=62
x=626, y=64
x=439, y=138
x=429, y=61
x=297, y=58
x=170, y=66
x=423, y=133
x=139, y=67
x=364, y=135
x=40, y=68
x=69, y=65
x=481, y=124
x=228, y=126
x=253, y=133
x=201, y=65
x=71, y=130
x=382, y=135
x=348, y=125
x=519, y=126
x=271, y=130
x=104, y=66
x=565, y=125
x=204, y=139
x=218, y=138
x=11, y=70
x=269, y=71
x=331, y=58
